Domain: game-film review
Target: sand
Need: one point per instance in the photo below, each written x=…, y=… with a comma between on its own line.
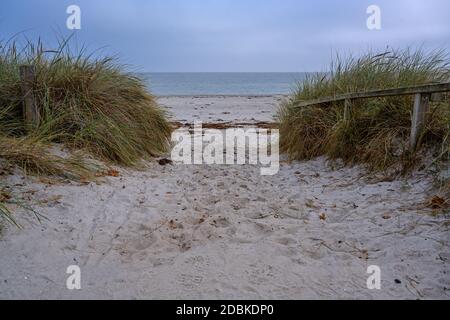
x=220, y=109
x=226, y=232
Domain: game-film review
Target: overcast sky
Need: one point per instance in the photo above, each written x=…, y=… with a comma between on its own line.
x=231, y=35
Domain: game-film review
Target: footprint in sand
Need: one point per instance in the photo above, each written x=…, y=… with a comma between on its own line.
x=189, y=281
x=194, y=267
x=196, y=260
x=260, y=274
x=221, y=222
x=135, y=242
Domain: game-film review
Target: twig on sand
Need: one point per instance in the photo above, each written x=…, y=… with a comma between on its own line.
x=411, y=283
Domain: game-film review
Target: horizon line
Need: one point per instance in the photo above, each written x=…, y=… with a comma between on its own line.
x=229, y=72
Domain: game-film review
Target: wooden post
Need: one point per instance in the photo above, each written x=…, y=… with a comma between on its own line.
x=347, y=105
x=420, y=110
x=31, y=112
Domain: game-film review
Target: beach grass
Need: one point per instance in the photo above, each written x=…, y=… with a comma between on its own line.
x=89, y=106
x=6, y=214
x=376, y=131
x=86, y=103
x=37, y=158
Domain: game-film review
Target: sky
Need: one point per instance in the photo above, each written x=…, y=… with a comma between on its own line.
x=230, y=35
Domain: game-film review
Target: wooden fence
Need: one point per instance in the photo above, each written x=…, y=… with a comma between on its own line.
x=423, y=94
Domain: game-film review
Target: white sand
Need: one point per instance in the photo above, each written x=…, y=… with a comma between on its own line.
x=219, y=109
x=201, y=232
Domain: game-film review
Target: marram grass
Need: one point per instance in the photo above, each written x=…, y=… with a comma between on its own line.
x=377, y=130
x=34, y=157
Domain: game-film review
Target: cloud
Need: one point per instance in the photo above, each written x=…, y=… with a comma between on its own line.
x=233, y=35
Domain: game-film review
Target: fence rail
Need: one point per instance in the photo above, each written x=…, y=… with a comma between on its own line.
x=422, y=97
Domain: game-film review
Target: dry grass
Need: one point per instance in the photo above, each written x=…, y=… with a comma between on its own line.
x=33, y=157
x=377, y=130
x=86, y=103
x=5, y=213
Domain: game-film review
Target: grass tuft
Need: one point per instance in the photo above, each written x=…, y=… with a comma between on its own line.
x=34, y=157
x=377, y=130
x=85, y=103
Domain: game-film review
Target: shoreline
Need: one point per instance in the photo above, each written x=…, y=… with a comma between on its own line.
x=201, y=96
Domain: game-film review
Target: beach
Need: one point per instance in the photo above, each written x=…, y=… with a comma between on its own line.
x=178, y=231
x=236, y=109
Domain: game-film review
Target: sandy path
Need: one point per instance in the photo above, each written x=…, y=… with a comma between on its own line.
x=184, y=231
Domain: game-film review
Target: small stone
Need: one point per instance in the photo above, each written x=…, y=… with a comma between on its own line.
x=164, y=161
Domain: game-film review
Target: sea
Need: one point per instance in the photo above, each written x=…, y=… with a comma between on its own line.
x=222, y=83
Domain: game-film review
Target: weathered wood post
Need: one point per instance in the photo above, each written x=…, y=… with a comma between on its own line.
x=31, y=112
x=420, y=110
x=347, y=104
